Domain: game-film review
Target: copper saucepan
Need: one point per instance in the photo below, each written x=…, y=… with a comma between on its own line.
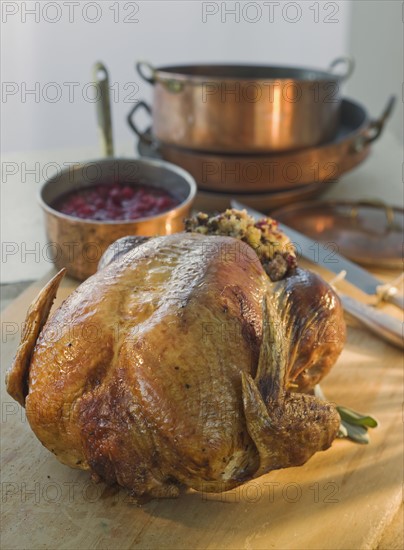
x=244, y=108
x=77, y=244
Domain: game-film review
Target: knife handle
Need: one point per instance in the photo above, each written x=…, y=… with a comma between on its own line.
x=396, y=299
x=385, y=326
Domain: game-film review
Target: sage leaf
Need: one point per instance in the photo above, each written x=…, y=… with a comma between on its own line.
x=359, y=434
x=358, y=419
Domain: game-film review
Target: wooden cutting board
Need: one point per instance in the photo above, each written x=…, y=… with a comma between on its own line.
x=343, y=498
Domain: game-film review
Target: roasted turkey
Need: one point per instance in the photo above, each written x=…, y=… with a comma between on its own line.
x=180, y=363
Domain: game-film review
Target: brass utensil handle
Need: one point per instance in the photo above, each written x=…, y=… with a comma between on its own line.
x=385, y=326
x=376, y=203
x=145, y=136
x=349, y=64
x=101, y=79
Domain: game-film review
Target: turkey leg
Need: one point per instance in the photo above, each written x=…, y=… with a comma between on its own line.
x=287, y=428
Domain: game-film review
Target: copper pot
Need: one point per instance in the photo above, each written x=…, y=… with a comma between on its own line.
x=78, y=244
x=244, y=108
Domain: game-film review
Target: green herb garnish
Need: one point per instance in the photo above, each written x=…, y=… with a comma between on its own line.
x=354, y=425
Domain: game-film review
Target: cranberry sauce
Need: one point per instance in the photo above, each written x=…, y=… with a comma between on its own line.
x=113, y=202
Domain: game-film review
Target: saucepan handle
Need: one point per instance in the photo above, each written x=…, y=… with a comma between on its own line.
x=101, y=79
x=349, y=67
x=143, y=136
x=375, y=128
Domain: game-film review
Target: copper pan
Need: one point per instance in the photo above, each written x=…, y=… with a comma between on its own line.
x=279, y=172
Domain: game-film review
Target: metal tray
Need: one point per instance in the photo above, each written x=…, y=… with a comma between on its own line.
x=368, y=232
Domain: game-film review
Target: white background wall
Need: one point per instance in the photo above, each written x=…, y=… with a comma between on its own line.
x=376, y=43
x=35, y=50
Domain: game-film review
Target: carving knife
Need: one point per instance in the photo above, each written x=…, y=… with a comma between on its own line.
x=385, y=326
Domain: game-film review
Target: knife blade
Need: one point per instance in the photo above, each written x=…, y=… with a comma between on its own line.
x=382, y=325
x=327, y=256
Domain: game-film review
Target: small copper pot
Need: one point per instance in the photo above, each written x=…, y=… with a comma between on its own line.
x=78, y=244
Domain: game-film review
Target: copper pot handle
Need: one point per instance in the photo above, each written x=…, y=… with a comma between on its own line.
x=140, y=65
x=349, y=64
x=143, y=136
x=375, y=128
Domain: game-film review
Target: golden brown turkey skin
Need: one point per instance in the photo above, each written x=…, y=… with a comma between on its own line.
x=152, y=373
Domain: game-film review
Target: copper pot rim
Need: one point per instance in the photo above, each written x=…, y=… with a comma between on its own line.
x=172, y=213
x=216, y=72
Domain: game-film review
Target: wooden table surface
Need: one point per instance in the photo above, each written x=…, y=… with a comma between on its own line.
x=344, y=498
